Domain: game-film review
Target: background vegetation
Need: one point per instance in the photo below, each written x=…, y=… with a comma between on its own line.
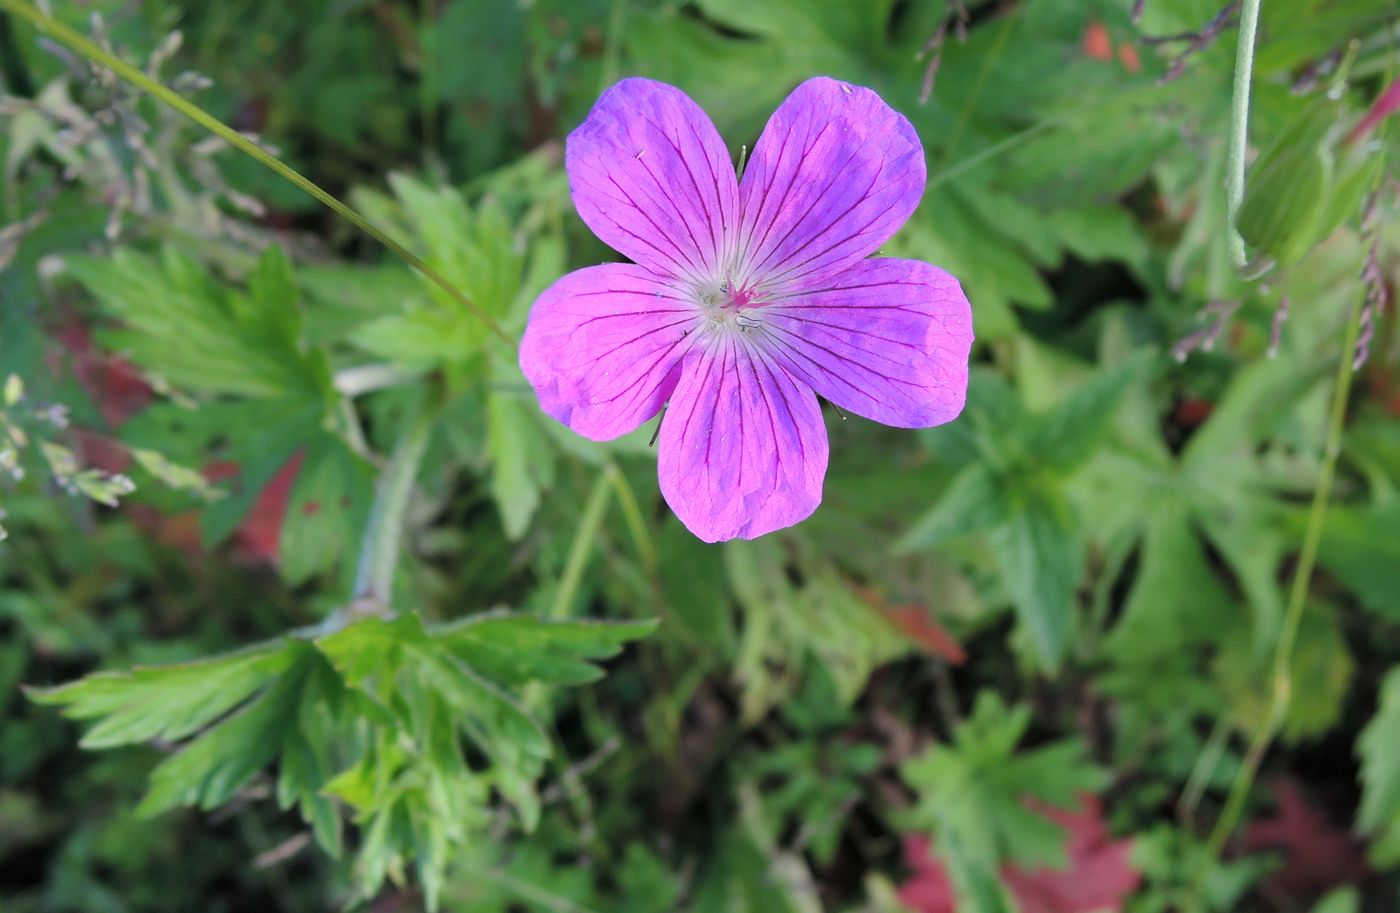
x=1099, y=644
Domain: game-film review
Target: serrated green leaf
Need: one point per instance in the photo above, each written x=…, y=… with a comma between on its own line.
x=209, y=770
x=183, y=327
x=361, y=650
x=1377, y=749
x=1041, y=560
x=165, y=702
x=504, y=723
x=973, y=792
x=514, y=650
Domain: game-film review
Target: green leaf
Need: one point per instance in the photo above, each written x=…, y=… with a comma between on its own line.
x=1156, y=619
x=265, y=450
x=362, y=650
x=974, y=502
x=165, y=702
x=473, y=249
x=514, y=650
x=1359, y=545
x=1377, y=748
x=1320, y=658
x=181, y=325
x=211, y=769
x=306, y=764
x=522, y=461
x=1065, y=436
x=326, y=510
x=1341, y=900
x=972, y=796
x=1259, y=397
x=1041, y=561
x=1099, y=233
x=787, y=624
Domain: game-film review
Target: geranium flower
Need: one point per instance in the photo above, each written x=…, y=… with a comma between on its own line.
x=745, y=301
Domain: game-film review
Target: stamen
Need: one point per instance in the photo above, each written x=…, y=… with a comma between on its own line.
x=657, y=433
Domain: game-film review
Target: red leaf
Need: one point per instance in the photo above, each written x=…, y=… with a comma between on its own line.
x=261, y=530
x=1098, y=878
x=915, y=623
x=112, y=381
x=1317, y=854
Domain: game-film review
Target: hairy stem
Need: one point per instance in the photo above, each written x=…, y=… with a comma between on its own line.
x=133, y=75
x=379, y=554
x=1239, y=129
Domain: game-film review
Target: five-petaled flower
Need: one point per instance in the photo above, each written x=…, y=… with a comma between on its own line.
x=746, y=300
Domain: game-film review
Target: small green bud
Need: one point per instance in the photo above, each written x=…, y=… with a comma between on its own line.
x=1283, y=205
x=1288, y=189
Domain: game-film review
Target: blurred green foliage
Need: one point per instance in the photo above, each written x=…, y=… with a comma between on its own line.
x=1075, y=588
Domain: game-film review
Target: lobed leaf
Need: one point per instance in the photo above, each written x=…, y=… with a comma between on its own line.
x=165, y=702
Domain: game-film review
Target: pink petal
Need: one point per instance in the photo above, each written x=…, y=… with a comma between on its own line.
x=652, y=178
x=887, y=339
x=743, y=449
x=834, y=175
x=603, y=348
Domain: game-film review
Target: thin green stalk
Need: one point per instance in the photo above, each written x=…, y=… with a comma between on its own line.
x=379, y=555
x=94, y=53
x=989, y=64
x=588, y=525
x=636, y=523
x=944, y=175
x=1239, y=129
x=1281, y=675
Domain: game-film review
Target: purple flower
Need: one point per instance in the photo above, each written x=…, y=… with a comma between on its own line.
x=746, y=300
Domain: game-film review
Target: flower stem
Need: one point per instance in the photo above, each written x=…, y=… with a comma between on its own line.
x=589, y=524
x=379, y=554
x=1281, y=674
x=1239, y=129
x=133, y=75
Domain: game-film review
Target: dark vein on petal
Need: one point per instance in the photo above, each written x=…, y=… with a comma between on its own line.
x=722, y=228
x=904, y=343
x=796, y=425
x=772, y=177
x=862, y=199
x=599, y=356
x=772, y=422
x=681, y=258
x=796, y=171
x=668, y=194
x=819, y=197
x=859, y=365
x=699, y=195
